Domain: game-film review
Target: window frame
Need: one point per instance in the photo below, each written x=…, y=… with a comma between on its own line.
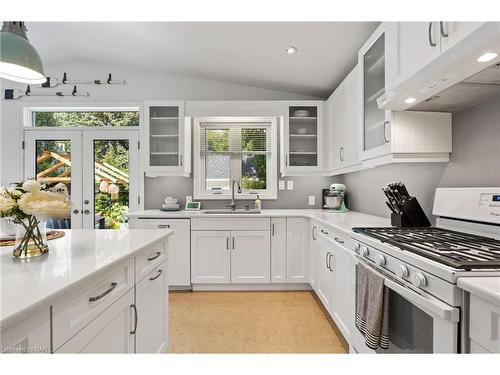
x=199, y=190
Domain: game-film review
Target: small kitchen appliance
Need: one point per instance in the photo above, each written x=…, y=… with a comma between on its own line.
x=421, y=266
x=334, y=198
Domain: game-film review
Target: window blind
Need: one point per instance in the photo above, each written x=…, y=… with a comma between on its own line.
x=235, y=140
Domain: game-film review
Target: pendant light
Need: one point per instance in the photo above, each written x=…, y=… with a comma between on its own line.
x=19, y=61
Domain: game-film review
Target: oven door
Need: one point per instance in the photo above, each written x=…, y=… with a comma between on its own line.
x=418, y=322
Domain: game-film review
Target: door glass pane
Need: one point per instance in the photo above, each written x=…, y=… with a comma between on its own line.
x=410, y=329
x=53, y=166
x=111, y=184
x=374, y=86
x=86, y=119
x=303, y=136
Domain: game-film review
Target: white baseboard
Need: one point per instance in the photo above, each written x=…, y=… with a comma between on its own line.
x=250, y=287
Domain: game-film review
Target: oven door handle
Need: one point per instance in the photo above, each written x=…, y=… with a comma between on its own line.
x=426, y=302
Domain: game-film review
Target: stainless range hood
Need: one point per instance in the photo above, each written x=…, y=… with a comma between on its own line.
x=478, y=88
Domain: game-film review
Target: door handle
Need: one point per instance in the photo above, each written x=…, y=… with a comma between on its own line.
x=162, y=226
x=386, y=140
x=341, y=154
x=135, y=319
x=326, y=260
x=157, y=276
x=76, y=211
x=233, y=244
x=314, y=233
x=158, y=253
x=323, y=231
x=444, y=34
x=103, y=294
x=272, y=229
x=227, y=243
x=339, y=240
x=86, y=212
x=431, y=41
x=330, y=263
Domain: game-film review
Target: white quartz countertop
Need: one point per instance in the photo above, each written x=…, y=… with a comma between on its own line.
x=74, y=258
x=341, y=221
x=487, y=288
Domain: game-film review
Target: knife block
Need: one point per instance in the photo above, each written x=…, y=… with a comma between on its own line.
x=413, y=215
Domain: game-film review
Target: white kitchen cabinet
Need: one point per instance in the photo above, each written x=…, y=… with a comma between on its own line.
x=210, y=257
x=166, y=139
x=31, y=335
x=484, y=324
x=297, y=244
x=313, y=249
x=110, y=332
x=151, y=300
x=343, y=286
x=179, y=257
x=250, y=257
x=343, y=123
x=278, y=250
x=302, y=139
x=324, y=272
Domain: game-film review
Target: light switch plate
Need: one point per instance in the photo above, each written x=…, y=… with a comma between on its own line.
x=289, y=184
x=312, y=200
x=281, y=185
x=189, y=198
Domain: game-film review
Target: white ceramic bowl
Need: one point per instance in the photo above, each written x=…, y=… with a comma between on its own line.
x=170, y=200
x=301, y=113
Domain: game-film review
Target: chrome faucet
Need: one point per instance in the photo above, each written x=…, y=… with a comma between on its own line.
x=233, y=202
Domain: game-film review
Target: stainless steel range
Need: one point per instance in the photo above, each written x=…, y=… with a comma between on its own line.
x=421, y=267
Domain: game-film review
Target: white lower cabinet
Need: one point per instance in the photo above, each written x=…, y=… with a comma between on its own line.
x=324, y=272
x=297, y=250
x=110, y=332
x=179, y=263
x=313, y=250
x=343, y=287
x=250, y=257
x=210, y=257
x=151, y=301
x=278, y=250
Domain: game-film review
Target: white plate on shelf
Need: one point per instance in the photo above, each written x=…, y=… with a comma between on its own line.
x=301, y=113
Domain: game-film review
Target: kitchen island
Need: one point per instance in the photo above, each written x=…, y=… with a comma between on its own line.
x=95, y=291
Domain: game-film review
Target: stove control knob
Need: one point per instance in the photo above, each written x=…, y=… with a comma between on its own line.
x=357, y=247
x=364, y=251
x=380, y=260
x=419, y=280
x=402, y=271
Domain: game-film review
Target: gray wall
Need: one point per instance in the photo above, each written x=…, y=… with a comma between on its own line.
x=475, y=161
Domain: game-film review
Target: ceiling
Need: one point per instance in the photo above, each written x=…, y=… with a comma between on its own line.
x=245, y=53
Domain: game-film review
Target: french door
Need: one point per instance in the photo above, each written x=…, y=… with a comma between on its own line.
x=98, y=167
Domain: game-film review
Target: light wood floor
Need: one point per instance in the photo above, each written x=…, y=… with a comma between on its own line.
x=250, y=322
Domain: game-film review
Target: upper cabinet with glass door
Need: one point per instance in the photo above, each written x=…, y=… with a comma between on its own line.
x=166, y=139
x=376, y=63
x=302, y=138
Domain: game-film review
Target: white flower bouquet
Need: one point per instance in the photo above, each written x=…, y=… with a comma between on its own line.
x=27, y=205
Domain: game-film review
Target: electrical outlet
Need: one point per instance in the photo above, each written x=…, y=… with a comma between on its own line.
x=189, y=198
x=289, y=185
x=312, y=200
x=281, y=185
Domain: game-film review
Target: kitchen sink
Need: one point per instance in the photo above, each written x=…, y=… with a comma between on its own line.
x=231, y=212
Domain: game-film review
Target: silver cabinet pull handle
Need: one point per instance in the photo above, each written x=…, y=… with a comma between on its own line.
x=341, y=154
x=103, y=294
x=233, y=244
x=324, y=231
x=326, y=260
x=227, y=243
x=272, y=229
x=314, y=233
x=154, y=257
x=157, y=276
x=431, y=42
x=444, y=34
x=329, y=262
x=386, y=140
x=162, y=226
x=135, y=319
x=286, y=159
x=339, y=240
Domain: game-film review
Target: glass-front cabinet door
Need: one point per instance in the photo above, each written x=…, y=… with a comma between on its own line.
x=302, y=138
x=166, y=138
x=375, y=59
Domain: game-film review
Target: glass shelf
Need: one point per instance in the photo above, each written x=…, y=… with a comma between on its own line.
x=164, y=136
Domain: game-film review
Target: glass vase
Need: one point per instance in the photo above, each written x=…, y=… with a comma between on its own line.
x=31, y=239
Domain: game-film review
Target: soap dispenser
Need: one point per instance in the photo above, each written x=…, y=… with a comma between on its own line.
x=258, y=203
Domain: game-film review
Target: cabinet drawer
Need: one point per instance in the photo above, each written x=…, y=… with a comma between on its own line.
x=235, y=223
x=78, y=308
x=149, y=259
x=334, y=235
x=485, y=324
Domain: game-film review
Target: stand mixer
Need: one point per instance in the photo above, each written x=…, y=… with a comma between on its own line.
x=334, y=198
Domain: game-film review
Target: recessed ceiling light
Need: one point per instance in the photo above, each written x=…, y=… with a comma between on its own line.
x=410, y=100
x=488, y=56
x=291, y=50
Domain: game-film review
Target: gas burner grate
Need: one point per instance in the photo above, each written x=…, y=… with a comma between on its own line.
x=455, y=249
